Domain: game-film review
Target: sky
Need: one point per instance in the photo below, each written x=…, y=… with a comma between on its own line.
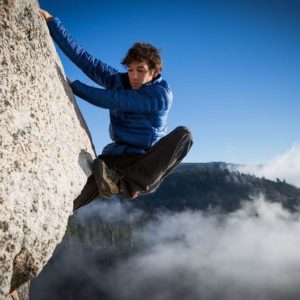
x=233, y=67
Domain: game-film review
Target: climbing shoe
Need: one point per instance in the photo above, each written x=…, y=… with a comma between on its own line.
x=107, y=179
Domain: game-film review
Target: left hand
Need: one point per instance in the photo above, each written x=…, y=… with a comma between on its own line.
x=45, y=15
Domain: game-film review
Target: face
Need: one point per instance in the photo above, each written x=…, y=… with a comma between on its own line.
x=140, y=74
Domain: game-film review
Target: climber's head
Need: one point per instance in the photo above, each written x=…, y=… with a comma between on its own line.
x=143, y=62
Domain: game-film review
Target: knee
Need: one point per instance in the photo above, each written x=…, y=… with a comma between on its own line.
x=184, y=131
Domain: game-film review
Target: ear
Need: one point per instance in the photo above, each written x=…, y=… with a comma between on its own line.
x=154, y=73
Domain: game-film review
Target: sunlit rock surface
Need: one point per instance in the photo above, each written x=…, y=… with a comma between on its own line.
x=45, y=147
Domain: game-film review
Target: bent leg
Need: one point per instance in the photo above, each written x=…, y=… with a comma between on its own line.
x=143, y=173
x=164, y=157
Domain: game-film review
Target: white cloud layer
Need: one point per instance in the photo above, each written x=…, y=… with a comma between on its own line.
x=252, y=253
x=285, y=167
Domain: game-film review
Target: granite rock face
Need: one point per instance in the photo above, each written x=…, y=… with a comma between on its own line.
x=45, y=147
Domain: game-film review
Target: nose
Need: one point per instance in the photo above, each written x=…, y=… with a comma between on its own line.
x=135, y=74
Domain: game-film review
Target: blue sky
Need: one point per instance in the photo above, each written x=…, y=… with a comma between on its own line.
x=233, y=66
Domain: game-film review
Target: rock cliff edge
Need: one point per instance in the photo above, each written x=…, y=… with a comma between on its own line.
x=45, y=147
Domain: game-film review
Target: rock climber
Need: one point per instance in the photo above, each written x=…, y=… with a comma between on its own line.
x=141, y=154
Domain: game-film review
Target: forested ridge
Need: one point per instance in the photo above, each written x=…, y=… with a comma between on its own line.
x=214, y=185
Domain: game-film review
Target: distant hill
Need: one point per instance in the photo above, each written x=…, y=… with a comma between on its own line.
x=214, y=185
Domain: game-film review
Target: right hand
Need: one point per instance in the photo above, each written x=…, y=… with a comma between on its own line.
x=45, y=15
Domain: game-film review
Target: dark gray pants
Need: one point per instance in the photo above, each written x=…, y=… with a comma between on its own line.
x=142, y=173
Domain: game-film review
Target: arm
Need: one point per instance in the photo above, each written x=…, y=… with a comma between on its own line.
x=145, y=99
x=91, y=66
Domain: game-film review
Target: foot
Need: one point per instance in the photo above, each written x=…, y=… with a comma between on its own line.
x=106, y=179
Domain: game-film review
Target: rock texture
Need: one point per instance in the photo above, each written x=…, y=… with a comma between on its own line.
x=45, y=147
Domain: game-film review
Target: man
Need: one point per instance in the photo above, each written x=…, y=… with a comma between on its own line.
x=141, y=154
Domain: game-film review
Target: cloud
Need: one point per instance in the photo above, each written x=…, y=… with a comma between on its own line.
x=285, y=166
x=108, y=210
x=252, y=253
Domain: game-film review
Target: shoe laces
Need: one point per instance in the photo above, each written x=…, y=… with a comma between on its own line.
x=112, y=174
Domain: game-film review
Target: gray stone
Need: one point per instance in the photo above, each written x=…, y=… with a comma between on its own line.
x=45, y=147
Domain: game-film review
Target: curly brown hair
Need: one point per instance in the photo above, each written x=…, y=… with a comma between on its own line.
x=144, y=51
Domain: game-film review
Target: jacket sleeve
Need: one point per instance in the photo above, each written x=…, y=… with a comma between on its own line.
x=143, y=100
x=95, y=69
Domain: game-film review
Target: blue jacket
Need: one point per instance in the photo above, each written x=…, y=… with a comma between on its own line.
x=138, y=118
